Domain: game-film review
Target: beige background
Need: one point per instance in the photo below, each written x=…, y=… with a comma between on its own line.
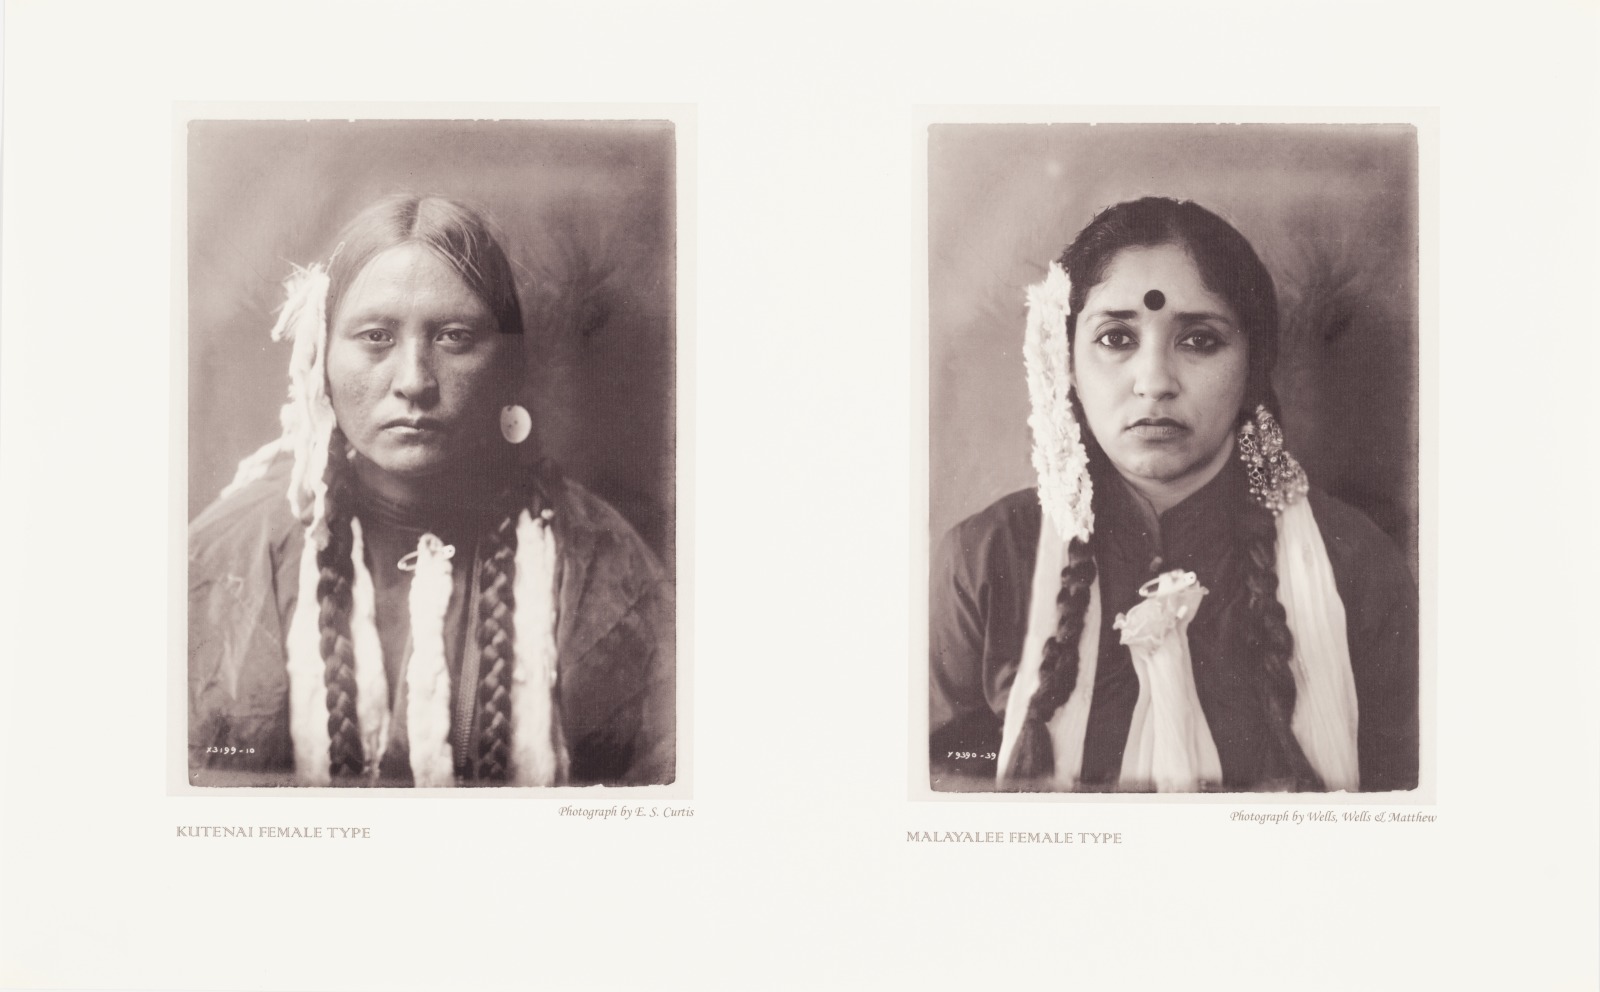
x=794, y=871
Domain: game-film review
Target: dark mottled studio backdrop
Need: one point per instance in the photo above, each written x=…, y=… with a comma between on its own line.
x=1332, y=211
x=587, y=210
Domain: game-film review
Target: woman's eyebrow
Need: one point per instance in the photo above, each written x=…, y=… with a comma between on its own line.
x=365, y=315
x=1115, y=314
x=1203, y=315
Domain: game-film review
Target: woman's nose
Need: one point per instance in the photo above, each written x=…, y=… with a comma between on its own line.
x=1153, y=374
x=414, y=379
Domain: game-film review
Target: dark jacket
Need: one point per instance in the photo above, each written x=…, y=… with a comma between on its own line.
x=982, y=575
x=616, y=687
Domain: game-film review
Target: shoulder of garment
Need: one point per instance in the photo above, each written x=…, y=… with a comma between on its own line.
x=615, y=644
x=995, y=544
x=1357, y=545
x=618, y=568
x=251, y=522
x=616, y=601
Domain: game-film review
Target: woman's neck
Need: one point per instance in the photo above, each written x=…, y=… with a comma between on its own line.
x=1155, y=497
x=449, y=494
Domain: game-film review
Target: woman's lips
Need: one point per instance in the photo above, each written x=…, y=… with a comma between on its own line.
x=414, y=428
x=1157, y=429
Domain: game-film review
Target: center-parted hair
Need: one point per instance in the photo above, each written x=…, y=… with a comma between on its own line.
x=464, y=239
x=459, y=235
x=1229, y=267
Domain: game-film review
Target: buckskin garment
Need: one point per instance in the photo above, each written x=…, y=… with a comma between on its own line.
x=614, y=637
x=981, y=581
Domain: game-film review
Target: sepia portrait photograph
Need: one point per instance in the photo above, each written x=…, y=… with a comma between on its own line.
x=431, y=437
x=1173, y=457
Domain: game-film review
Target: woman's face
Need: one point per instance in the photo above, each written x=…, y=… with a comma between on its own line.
x=1159, y=363
x=417, y=368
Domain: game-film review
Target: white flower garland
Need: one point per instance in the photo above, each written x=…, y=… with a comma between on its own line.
x=1059, y=457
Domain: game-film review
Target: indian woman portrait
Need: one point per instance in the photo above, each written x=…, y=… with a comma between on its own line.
x=1175, y=606
x=399, y=590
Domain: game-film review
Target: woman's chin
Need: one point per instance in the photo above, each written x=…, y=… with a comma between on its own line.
x=410, y=463
x=1159, y=467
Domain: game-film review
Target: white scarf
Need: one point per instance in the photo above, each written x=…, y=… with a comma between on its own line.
x=1170, y=747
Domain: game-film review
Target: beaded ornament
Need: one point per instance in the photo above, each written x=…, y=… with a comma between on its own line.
x=1276, y=479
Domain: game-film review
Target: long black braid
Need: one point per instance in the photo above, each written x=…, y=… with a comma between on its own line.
x=336, y=575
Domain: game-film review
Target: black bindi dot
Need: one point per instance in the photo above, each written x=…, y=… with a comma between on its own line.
x=1154, y=300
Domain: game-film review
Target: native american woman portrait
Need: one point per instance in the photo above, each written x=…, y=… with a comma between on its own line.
x=1175, y=603
x=402, y=588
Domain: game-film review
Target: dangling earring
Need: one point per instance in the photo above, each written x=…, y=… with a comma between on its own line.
x=515, y=424
x=1276, y=479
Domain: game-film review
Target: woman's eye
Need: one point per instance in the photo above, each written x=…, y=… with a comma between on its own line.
x=459, y=337
x=1204, y=341
x=1115, y=338
x=373, y=335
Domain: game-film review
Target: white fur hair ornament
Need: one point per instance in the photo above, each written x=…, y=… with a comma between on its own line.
x=306, y=418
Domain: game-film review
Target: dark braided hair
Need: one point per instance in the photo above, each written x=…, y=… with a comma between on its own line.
x=1229, y=267
x=497, y=606
x=336, y=573
x=1058, y=670
x=1269, y=641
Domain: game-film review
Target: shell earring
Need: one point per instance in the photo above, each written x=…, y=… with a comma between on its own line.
x=515, y=424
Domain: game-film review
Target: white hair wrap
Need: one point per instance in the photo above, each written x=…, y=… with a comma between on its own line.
x=427, y=671
x=537, y=755
x=372, y=681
